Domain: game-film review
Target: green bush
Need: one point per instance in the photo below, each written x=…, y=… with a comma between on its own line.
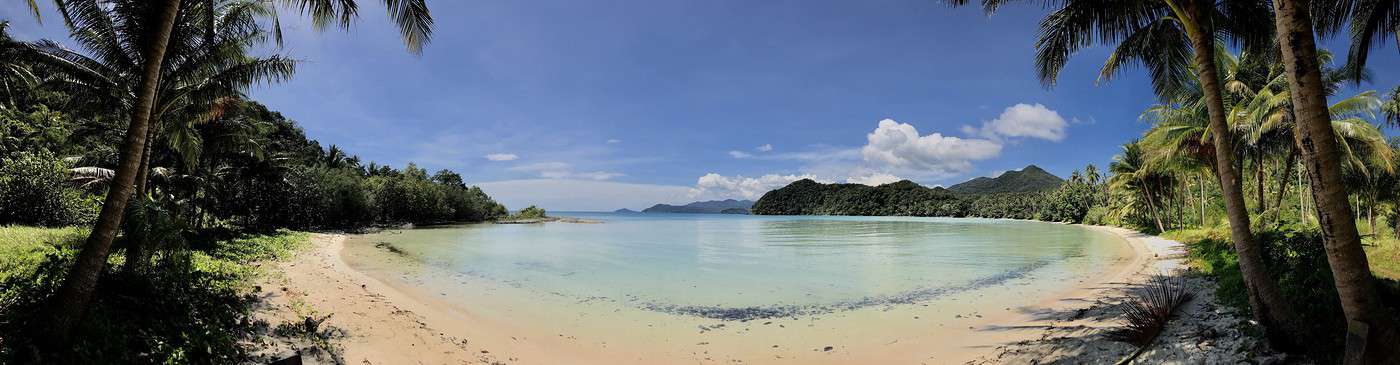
x=192, y=308
x=34, y=190
x=1099, y=215
x=530, y=212
x=1294, y=256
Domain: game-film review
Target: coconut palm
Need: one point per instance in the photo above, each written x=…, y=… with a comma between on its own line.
x=1143, y=183
x=1372, y=332
x=205, y=68
x=1390, y=107
x=152, y=23
x=1168, y=37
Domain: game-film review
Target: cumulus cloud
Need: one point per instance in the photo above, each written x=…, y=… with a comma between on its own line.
x=874, y=179
x=716, y=186
x=740, y=154
x=1023, y=121
x=560, y=170
x=764, y=148
x=502, y=157
x=895, y=145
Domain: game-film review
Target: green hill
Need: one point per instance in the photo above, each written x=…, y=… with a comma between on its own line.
x=1029, y=179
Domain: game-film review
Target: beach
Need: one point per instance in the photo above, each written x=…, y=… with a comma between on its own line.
x=396, y=319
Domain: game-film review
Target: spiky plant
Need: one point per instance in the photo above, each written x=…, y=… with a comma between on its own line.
x=1147, y=314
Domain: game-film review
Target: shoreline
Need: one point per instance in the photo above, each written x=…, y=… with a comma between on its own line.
x=391, y=320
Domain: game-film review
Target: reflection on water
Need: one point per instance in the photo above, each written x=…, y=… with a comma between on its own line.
x=744, y=267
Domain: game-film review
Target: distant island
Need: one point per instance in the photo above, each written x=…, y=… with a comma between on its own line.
x=727, y=206
x=1014, y=194
x=625, y=211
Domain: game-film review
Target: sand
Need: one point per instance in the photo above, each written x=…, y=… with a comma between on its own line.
x=394, y=320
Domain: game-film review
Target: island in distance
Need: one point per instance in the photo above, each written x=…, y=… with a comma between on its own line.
x=727, y=206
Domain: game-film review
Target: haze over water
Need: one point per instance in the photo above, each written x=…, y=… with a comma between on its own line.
x=726, y=266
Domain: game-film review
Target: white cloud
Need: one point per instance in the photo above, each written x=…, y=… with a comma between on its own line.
x=573, y=194
x=560, y=170
x=874, y=179
x=739, y=154
x=895, y=145
x=502, y=157
x=614, y=141
x=716, y=186
x=764, y=148
x=1023, y=121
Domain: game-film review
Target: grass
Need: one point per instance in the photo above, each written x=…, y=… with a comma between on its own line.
x=22, y=248
x=1384, y=255
x=193, y=306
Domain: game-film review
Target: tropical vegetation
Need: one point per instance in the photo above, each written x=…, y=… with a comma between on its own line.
x=144, y=133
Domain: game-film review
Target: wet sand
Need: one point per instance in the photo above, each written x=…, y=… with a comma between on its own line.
x=396, y=310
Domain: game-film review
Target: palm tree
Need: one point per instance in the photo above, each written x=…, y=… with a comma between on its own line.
x=1391, y=107
x=215, y=67
x=1372, y=334
x=153, y=22
x=1144, y=182
x=1163, y=36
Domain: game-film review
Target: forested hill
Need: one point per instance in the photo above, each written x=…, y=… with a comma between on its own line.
x=807, y=197
x=1031, y=178
x=1032, y=197
x=712, y=207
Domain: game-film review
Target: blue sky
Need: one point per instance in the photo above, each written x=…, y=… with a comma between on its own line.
x=598, y=105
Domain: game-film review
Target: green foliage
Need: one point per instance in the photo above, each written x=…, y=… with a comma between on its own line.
x=530, y=212
x=1295, y=257
x=34, y=190
x=34, y=131
x=193, y=307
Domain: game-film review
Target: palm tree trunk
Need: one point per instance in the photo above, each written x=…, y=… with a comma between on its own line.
x=1152, y=205
x=1201, y=182
x=1371, y=334
x=1283, y=184
x=137, y=246
x=1270, y=309
x=1259, y=182
x=68, y=305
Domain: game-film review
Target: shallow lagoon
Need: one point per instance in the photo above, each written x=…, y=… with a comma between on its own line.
x=739, y=267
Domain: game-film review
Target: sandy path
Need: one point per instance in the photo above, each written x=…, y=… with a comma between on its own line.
x=392, y=322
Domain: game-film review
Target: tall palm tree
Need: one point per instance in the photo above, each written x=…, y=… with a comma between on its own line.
x=1167, y=37
x=208, y=68
x=1372, y=334
x=152, y=22
x=1133, y=174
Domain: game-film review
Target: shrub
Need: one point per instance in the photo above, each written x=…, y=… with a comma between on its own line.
x=530, y=212
x=34, y=190
x=1145, y=315
x=192, y=308
x=1295, y=257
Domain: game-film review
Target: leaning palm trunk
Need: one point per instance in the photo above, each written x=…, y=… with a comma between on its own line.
x=1371, y=334
x=137, y=249
x=1283, y=184
x=1270, y=309
x=68, y=305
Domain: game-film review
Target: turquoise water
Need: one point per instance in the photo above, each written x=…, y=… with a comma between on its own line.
x=741, y=267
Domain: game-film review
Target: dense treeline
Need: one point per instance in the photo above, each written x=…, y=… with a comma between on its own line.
x=250, y=168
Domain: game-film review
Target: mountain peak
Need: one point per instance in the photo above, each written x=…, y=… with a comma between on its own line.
x=1030, y=178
